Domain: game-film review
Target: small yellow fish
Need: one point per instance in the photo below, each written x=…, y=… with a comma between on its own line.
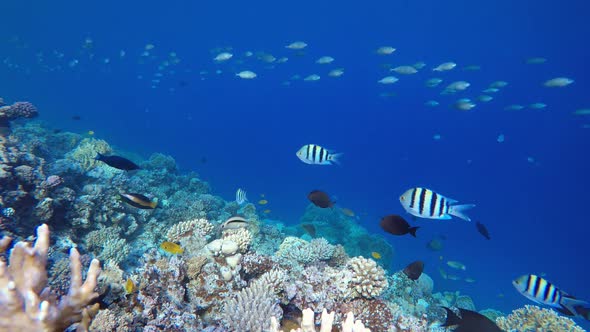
x=348, y=212
x=129, y=286
x=453, y=277
x=376, y=255
x=91, y=132
x=267, y=211
x=470, y=280
x=263, y=202
x=456, y=265
x=501, y=295
x=443, y=273
x=171, y=247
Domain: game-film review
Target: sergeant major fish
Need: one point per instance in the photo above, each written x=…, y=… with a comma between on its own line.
x=241, y=196
x=541, y=291
x=425, y=203
x=316, y=155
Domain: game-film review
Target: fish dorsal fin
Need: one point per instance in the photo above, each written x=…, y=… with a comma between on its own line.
x=452, y=318
x=451, y=201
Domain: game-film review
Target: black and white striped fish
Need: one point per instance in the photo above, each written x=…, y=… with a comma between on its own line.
x=539, y=290
x=241, y=196
x=316, y=155
x=425, y=203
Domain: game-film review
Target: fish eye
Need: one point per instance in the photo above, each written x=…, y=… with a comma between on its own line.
x=402, y=198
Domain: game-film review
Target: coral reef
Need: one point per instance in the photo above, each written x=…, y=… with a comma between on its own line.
x=25, y=304
x=532, y=318
x=224, y=279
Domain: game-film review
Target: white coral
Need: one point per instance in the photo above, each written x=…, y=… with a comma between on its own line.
x=187, y=228
x=241, y=236
x=368, y=278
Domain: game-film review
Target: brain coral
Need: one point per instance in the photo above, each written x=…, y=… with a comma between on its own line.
x=368, y=278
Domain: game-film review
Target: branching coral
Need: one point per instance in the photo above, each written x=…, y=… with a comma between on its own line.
x=251, y=309
x=327, y=321
x=532, y=318
x=188, y=228
x=368, y=278
x=242, y=237
x=298, y=250
x=24, y=305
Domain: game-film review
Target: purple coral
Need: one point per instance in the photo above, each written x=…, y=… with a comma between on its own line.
x=21, y=109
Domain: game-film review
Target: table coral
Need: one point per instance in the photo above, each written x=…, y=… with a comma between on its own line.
x=532, y=319
x=23, y=302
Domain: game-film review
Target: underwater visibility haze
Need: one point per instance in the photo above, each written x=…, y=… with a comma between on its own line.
x=425, y=154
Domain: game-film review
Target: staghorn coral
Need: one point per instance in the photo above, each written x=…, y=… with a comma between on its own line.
x=188, y=228
x=251, y=308
x=368, y=278
x=23, y=279
x=326, y=325
x=532, y=319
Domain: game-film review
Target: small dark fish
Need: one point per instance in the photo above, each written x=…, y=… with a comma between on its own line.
x=414, y=270
x=470, y=321
x=481, y=228
x=397, y=225
x=183, y=83
x=203, y=160
x=139, y=201
x=320, y=199
x=76, y=117
x=56, y=131
x=310, y=229
x=117, y=162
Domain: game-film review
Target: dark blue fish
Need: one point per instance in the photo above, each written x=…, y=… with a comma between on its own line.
x=470, y=321
x=117, y=162
x=481, y=228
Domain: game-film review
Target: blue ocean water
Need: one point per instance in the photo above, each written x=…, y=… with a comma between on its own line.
x=530, y=190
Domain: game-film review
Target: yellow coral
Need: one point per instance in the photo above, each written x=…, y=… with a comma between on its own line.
x=532, y=319
x=87, y=150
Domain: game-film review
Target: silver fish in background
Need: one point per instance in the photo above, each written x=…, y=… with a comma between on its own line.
x=539, y=290
x=241, y=197
x=316, y=155
x=425, y=203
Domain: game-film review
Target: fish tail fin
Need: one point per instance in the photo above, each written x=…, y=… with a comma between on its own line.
x=335, y=158
x=574, y=306
x=452, y=318
x=154, y=203
x=459, y=211
x=413, y=230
